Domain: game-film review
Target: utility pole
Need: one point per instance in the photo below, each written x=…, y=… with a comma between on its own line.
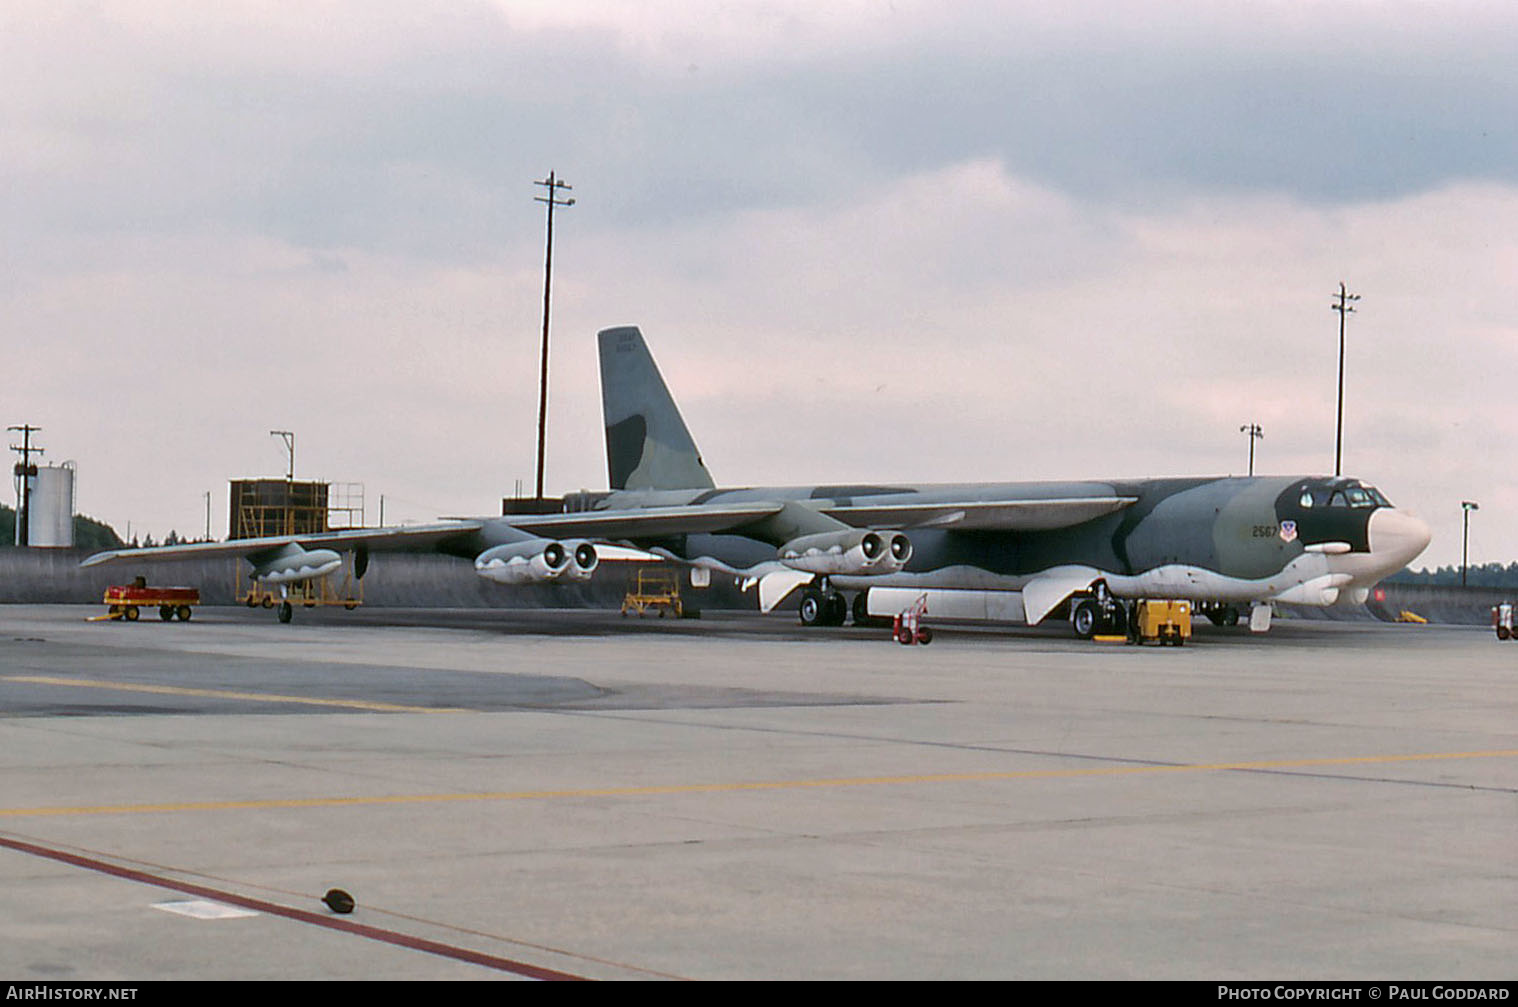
x=1255, y=433
x=25, y=471
x=288, y=436
x=1343, y=306
x=553, y=185
x=1465, y=545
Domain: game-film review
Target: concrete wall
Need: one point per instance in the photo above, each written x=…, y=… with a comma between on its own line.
x=398, y=580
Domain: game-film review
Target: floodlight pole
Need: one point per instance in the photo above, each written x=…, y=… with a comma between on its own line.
x=1255, y=433
x=1343, y=307
x=1465, y=544
x=553, y=186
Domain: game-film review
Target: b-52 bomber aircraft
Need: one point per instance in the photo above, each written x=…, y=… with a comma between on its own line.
x=1024, y=552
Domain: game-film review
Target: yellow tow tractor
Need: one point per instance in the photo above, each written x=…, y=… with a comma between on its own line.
x=1164, y=621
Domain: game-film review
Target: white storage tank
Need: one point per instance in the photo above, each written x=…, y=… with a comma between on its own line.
x=52, y=507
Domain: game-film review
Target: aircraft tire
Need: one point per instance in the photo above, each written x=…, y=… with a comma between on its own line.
x=812, y=608
x=861, y=608
x=835, y=609
x=1084, y=619
x=1117, y=621
x=286, y=611
x=1230, y=616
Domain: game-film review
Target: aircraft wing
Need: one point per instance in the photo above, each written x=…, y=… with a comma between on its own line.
x=406, y=538
x=631, y=523
x=646, y=522
x=982, y=515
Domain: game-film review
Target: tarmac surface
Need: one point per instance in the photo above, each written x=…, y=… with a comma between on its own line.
x=570, y=794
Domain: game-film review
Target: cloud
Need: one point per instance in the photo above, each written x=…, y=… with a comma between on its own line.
x=869, y=240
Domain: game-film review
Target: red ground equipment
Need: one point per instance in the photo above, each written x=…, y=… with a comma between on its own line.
x=126, y=601
x=1502, y=621
x=907, y=627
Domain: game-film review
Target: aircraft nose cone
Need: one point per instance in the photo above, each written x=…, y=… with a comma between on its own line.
x=1397, y=535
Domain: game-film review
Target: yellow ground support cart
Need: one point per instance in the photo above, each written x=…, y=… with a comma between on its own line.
x=656, y=589
x=1168, y=622
x=342, y=587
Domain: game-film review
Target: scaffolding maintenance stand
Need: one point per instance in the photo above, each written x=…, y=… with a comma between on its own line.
x=657, y=590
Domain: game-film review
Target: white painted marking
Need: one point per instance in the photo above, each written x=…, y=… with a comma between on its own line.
x=204, y=909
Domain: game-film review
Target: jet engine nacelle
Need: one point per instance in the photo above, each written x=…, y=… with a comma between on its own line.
x=537, y=561
x=583, y=560
x=292, y=564
x=854, y=552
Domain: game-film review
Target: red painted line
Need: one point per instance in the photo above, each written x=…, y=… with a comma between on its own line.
x=302, y=915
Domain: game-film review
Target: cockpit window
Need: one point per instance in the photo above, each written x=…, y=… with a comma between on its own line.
x=1342, y=493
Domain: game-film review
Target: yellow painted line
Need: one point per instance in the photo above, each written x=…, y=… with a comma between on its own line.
x=264, y=697
x=714, y=788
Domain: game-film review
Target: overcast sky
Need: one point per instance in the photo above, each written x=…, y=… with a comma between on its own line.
x=886, y=241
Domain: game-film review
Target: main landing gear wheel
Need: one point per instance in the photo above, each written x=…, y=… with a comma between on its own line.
x=811, y=609
x=286, y=611
x=1084, y=619
x=820, y=608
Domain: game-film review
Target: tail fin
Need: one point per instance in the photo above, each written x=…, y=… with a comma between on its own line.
x=647, y=444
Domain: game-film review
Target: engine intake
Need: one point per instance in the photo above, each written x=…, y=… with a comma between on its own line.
x=583, y=560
